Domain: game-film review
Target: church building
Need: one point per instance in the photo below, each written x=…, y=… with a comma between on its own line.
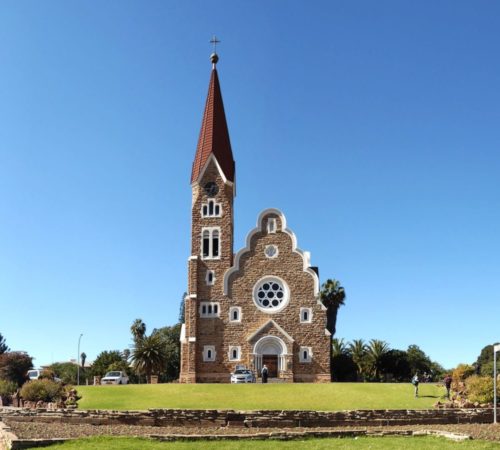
x=254, y=307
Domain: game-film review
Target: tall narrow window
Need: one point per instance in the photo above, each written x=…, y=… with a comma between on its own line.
x=210, y=208
x=206, y=243
x=215, y=243
x=209, y=353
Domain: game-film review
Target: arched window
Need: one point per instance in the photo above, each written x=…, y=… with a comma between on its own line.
x=210, y=242
x=235, y=314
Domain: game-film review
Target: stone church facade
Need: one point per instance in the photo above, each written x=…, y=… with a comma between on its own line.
x=258, y=306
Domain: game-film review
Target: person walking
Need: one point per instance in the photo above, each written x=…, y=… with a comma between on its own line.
x=264, y=372
x=447, y=384
x=415, y=381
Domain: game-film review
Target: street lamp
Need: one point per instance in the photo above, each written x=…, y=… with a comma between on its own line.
x=496, y=348
x=78, y=362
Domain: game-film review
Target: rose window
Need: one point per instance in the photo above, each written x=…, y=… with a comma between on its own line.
x=270, y=295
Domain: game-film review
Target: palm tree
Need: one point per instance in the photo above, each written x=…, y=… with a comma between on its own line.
x=149, y=355
x=332, y=296
x=83, y=357
x=339, y=347
x=375, y=351
x=138, y=330
x=358, y=352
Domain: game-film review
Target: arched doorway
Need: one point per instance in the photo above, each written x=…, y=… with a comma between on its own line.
x=271, y=351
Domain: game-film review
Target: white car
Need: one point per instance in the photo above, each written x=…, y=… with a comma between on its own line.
x=35, y=374
x=115, y=377
x=242, y=376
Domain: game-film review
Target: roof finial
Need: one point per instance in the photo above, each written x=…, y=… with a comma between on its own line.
x=214, y=57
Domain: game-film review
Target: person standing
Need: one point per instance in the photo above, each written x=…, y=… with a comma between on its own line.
x=264, y=372
x=447, y=384
x=415, y=381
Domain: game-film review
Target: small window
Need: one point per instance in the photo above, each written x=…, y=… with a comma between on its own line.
x=209, y=309
x=271, y=225
x=305, y=354
x=211, y=209
x=305, y=315
x=235, y=314
x=210, y=278
x=209, y=353
x=234, y=353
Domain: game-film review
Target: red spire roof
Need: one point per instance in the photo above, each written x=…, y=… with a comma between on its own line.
x=214, y=135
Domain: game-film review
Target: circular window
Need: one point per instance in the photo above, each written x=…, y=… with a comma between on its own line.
x=270, y=294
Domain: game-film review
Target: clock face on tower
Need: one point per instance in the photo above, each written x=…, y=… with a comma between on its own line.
x=211, y=189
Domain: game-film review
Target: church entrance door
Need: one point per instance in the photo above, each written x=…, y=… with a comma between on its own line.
x=271, y=361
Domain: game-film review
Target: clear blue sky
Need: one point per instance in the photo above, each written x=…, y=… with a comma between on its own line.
x=374, y=126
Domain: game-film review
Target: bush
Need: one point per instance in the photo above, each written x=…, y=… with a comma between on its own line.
x=479, y=389
x=14, y=366
x=42, y=390
x=7, y=388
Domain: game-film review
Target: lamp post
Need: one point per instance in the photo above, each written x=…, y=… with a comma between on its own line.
x=78, y=362
x=496, y=348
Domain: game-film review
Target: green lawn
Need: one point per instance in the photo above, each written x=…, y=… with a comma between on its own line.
x=362, y=443
x=319, y=397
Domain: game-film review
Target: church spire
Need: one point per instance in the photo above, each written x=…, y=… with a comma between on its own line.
x=214, y=135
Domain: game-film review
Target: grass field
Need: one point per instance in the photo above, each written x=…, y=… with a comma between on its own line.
x=362, y=443
x=319, y=397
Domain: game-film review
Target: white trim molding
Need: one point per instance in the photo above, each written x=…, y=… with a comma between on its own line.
x=305, y=255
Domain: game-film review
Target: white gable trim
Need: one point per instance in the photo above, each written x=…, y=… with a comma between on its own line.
x=305, y=255
x=219, y=169
x=272, y=323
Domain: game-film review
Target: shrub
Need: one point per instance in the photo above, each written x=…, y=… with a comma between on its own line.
x=479, y=389
x=44, y=390
x=7, y=388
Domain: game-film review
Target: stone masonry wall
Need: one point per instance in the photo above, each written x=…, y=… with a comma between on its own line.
x=259, y=419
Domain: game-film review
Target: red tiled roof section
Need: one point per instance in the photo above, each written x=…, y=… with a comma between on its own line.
x=214, y=135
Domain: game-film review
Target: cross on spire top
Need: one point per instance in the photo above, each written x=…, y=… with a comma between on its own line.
x=214, y=57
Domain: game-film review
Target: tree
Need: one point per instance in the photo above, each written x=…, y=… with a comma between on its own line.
x=66, y=371
x=3, y=346
x=395, y=365
x=484, y=362
x=375, y=351
x=332, y=295
x=357, y=348
x=104, y=360
x=14, y=366
x=339, y=347
x=419, y=361
x=138, y=330
x=149, y=355
x=171, y=337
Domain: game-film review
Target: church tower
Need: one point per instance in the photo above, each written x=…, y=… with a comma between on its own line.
x=213, y=191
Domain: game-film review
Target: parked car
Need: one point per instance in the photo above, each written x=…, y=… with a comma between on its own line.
x=115, y=377
x=242, y=376
x=36, y=374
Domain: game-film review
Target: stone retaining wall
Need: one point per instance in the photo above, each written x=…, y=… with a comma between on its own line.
x=258, y=419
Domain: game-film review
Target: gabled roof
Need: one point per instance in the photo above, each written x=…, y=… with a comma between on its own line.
x=266, y=327
x=214, y=135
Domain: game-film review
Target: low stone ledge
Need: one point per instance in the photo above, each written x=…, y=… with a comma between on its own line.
x=254, y=419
